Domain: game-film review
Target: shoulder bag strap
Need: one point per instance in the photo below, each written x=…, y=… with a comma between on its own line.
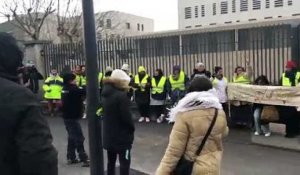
x=207, y=133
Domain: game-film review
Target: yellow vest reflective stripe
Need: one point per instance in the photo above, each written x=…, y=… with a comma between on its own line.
x=215, y=81
x=100, y=78
x=178, y=84
x=158, y=89
x=144, y=81
x=241, y=79
x=286, y=81
x=53, y=87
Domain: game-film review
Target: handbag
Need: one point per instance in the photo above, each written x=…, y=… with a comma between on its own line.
x=269, y=114
x=184, y=166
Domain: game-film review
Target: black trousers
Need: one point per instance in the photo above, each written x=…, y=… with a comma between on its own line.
x=144, y=109
x=158, y=110
x=75, y=140
x=124, y=159
x=289, y=116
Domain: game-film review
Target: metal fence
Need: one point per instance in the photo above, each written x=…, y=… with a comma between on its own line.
x=267, y=48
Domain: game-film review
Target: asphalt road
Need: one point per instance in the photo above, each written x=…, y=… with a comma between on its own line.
x=241, y=157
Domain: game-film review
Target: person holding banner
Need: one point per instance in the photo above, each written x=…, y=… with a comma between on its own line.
x=240, y=110
x=290, y=78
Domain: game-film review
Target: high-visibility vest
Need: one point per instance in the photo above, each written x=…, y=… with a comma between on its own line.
x=178, y=84
x=53, y=87
x=80, y=80
x=241, y=79
x=286, y=81
x=158, y=88
x=216, y=81
x=100, y=78
x=143, y=82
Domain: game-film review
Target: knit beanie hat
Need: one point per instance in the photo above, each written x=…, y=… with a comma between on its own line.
x=125, y=67
x=291, y=65
x=68, y=77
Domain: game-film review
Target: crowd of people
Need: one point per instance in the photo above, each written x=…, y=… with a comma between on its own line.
x=199, y=110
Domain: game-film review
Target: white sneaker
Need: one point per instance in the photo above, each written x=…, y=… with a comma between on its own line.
x=268, y=134
x=158, y=120
x=256, y=134
x=142, y=119
x=147, y=120
x=84, y=116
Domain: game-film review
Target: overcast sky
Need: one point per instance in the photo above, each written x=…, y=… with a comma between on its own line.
x=164, y=12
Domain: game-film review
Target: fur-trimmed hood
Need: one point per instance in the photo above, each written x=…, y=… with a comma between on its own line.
x=117, y=83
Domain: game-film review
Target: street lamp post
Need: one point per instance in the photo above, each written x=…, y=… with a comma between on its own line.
x=95, y=131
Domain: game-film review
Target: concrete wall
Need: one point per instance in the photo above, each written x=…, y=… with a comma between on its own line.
x=287, y=11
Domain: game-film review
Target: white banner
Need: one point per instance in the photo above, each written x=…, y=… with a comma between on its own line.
x=272, y=95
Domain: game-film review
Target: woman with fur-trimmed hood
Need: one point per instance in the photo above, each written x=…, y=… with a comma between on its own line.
x=118, y=126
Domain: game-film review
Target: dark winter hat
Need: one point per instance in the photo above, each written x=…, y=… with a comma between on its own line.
x=176, y=68
x=69, y=77
x=217, y=69
x=10, y=55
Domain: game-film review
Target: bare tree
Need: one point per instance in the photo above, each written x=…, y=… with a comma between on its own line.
x=29, y=15
x=69, y=19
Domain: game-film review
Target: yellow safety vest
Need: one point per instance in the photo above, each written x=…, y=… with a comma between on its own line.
x=100, y=78
x=144, y=81
x=158, y=88
x=215, y=81
x=241, y=79
x=286, y=81
x=80, y=80
x=178, y=84
x=53, y=87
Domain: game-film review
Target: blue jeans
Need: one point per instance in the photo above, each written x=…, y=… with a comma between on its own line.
x=258, y=126
x=177, y=95
x=75, y=140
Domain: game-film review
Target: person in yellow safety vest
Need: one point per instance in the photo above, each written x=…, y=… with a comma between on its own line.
x=83, y=77
x=142, y=84
x=241, y=76
x=77, y=73
x=125, y=68
x=290, y=78
x=158, y=94
x=53, y=87
x=220, y=83
x=177, y=84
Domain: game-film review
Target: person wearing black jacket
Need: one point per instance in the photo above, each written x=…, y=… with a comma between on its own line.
x=26, y=142
x=72, y=100
x=118, y=125
x=200, y=71
x=142, y=85
x=158, y=94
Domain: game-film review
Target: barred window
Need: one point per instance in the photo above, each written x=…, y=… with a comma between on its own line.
x=256, y=5
x=267, y=4
x=224, y=7
x=188, y=12
x=244, y=5
x=278, y=3
x=214, y=8
x=233, y=6
x=196, y=12
x=202, y=10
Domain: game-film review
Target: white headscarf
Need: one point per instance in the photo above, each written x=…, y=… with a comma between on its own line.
x=194, y=101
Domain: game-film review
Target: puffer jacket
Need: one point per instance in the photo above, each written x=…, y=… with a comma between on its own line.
x=189, y=130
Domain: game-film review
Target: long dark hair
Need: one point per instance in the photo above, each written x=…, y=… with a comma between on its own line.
x=262, y=80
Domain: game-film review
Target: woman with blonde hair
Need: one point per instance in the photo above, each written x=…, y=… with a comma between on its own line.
x=198, y=111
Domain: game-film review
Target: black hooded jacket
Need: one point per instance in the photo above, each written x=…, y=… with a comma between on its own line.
x=118, y=125
x=26, y=142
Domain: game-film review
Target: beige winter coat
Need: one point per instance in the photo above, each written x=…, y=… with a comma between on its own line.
x=189, y=129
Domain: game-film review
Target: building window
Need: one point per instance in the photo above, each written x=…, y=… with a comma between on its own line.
x=290, y=2
x=224, y=7
x=101, y=23
x=138, y=27
x=202, y=10
x=128, y=25
x=196, y=12
x=142, y=27
x=267, y=4
x=108, y=23
x=256, y=5
x=244, y=5
x=233, y=6
x=214, y=8
x=278, y=3
x=188, y=12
